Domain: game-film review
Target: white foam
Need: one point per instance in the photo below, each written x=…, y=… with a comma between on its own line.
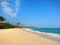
x=45, y=33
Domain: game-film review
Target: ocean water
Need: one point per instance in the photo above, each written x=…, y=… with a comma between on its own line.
x=47, y=30
x=54, y=32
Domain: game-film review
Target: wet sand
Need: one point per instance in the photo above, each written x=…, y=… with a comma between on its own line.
x=20, y=37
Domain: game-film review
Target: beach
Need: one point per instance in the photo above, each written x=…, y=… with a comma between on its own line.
x=19, y=36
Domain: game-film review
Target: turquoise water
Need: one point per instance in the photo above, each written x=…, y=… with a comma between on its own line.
x=47, y=30
x=54, y=32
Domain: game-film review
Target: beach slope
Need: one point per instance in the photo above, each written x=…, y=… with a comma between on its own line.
x=20, y=37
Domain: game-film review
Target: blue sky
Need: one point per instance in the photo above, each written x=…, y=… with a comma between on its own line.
x=40, y=13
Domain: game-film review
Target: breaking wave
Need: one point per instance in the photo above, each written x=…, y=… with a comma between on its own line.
x=45, y=33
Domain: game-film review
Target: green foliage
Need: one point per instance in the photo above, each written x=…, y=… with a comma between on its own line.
x=6, y=25
x=2, y=19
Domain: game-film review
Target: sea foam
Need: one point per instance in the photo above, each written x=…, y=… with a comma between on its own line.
x=45, y=33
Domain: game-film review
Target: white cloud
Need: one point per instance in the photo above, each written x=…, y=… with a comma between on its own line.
x=8, y=10
x=17, y=5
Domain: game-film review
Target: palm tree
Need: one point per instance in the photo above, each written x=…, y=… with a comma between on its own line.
x=2, y=19
x=19, y=25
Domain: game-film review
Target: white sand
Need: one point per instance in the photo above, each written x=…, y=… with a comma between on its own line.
x=20, y=37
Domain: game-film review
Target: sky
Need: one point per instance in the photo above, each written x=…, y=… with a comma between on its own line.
x=39, y=13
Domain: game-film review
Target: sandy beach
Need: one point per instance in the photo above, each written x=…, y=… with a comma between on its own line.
x=20, y=37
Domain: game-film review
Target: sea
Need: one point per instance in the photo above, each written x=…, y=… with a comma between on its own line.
x=47, y=30
x=54, y=32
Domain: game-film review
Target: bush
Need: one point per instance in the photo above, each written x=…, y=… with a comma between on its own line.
x=6, y=25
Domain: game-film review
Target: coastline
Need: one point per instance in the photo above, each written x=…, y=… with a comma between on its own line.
x=45, y=35
x=19, y=36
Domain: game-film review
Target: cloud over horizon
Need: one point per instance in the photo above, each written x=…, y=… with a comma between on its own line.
x=8, y=10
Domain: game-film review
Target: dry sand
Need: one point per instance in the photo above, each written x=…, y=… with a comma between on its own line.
x=20, y=37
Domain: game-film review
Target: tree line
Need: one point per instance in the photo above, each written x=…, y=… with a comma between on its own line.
x=5, y=25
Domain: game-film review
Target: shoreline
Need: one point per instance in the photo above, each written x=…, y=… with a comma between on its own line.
x=44, y=35
x=18, y=36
